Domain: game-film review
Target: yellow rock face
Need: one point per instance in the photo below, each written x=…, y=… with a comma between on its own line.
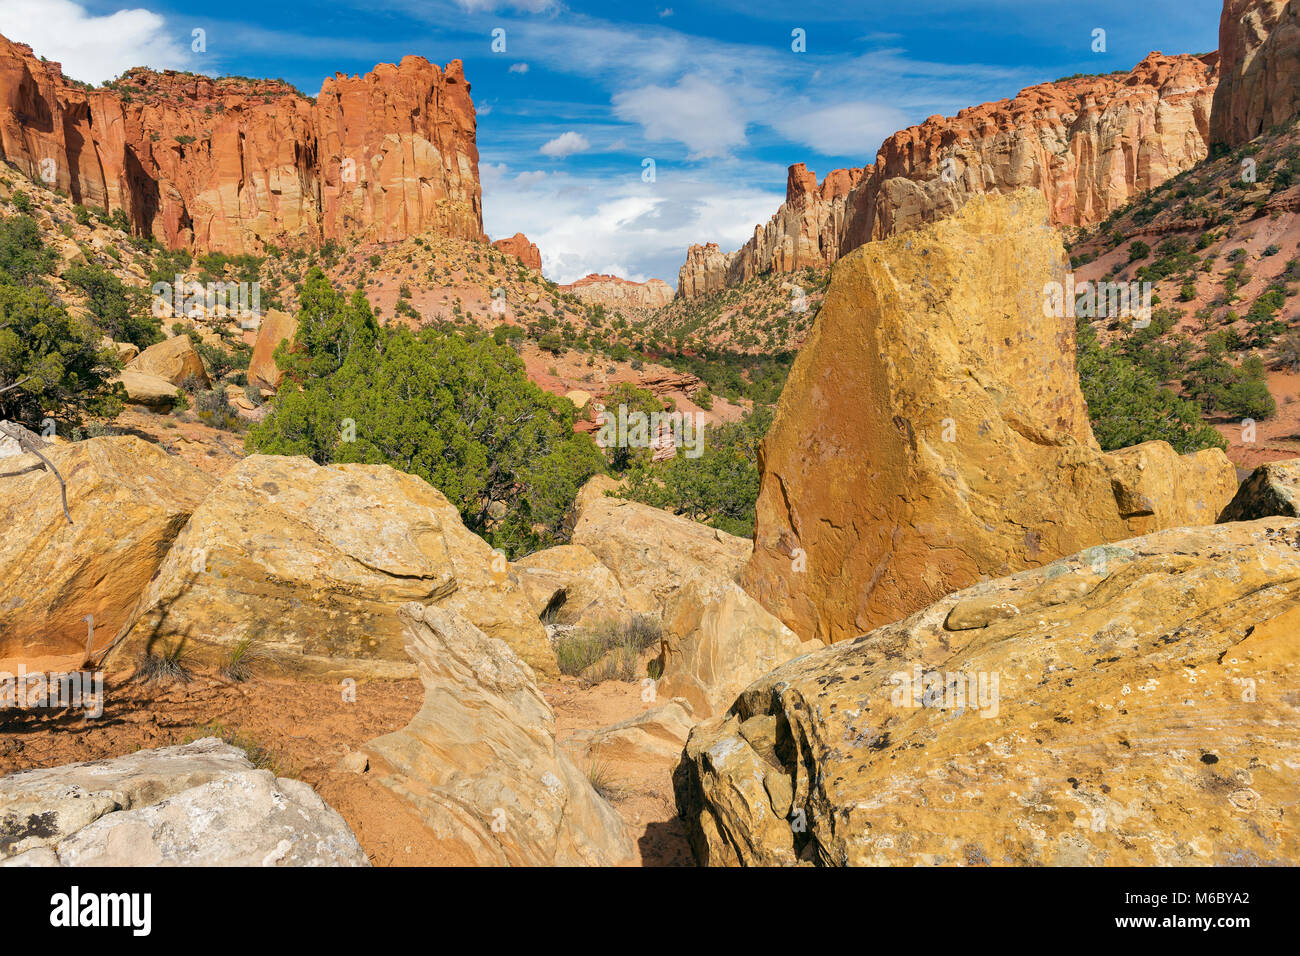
x=932, y=432
x=480, y=764
x=313, y=562
x=128, y=500
x=572, y=583
x=1132, y=705
x=717, y=639
x=653, y=554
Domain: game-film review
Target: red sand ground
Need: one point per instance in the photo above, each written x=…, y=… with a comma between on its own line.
x=301, y=729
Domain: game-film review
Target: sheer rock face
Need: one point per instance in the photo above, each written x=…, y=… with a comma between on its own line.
x=1088, y=144
x=1259, y=41
x=617, y=293
x=932, y=432
x=128, y=500
x=311, y=563
x=480, y=762
x=1132, y=705
x=523, y=250
x=232, y=164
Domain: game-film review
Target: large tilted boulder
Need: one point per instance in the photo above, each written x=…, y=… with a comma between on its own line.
x=151, y=391
x=480, y=763
x=1135, y=704
x=932, y=431
x=173, y=360
x=311, y=563
x=1272, y=489
x=652, y=553
x=128, y=500
x=200, y=804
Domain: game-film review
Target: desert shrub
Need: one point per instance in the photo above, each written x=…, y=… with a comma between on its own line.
x=54, y=360
x=460, y=414
x=719, y=488
x=121, y=311
x=238, y=665
x=169, y=665
x=24, y=257
x=1239, y=391
x=1128, y=405
x=608, y=649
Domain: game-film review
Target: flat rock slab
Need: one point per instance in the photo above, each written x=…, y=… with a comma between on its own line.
x=200, y=804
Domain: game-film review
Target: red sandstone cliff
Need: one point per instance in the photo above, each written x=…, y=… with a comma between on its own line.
x=230, y=164
x=1089, y=144
x=1259, y=83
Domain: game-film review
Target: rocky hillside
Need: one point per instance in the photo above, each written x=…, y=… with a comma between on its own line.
x=234, y=164
x=1219, y=246
x=1088, y=143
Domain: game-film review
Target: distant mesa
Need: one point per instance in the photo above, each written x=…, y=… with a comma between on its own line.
x=617, y=293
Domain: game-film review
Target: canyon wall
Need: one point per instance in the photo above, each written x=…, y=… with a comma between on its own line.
x=1089, y=144
x=1259, y=86
x=232, y=164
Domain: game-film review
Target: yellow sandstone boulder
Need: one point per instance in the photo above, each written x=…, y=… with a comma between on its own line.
x=172, y=359
x=932, y=432
x=480, y=764
x=311, y=563
x=1132, y=705
x=128, y=500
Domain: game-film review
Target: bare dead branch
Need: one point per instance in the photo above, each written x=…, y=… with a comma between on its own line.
x=27, y=444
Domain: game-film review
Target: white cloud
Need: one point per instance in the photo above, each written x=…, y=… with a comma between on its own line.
x=695, y=112
x=94, y=48
x=518, y=68
x=840, y=129
x=491, y=6
x=614, y=223
x=666, y=12
x=566, y=144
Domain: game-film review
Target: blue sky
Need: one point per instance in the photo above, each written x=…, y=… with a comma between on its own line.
x=585, y=92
